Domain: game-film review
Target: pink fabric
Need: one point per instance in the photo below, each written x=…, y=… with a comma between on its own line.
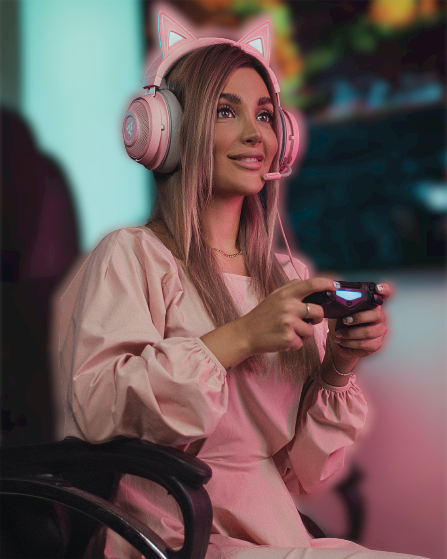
x=330, y=549
x=133, y=365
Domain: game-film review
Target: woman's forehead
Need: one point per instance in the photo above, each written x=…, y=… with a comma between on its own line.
x=246, y=83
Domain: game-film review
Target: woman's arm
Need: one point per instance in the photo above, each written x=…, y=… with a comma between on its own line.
x=330, y=419
x=362, y=335
x=121, y=376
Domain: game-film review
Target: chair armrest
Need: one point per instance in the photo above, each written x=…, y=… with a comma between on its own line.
x=127, y=526
x=33, y=470
x=130, y=456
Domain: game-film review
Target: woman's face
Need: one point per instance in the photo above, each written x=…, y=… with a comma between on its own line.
x=244, y=142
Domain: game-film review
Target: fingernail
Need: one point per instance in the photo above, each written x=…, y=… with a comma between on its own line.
x=338, y=334
x=337, y=285
x=348, y=320
x=379, y=288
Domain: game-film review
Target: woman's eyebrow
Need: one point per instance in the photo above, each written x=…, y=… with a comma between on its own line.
x=264, y=101
x=233, y=98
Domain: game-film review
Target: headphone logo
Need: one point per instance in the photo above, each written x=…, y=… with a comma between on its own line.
x=129, y=128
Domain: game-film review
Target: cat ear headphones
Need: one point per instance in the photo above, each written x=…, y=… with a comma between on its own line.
x=151, y=128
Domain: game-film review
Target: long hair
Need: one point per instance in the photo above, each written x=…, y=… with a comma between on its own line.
x=197, y=81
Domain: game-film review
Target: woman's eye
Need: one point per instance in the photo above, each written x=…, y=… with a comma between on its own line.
x=224, y=112
x=265, y=117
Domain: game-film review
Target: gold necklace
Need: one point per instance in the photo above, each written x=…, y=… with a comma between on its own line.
x=227, y=255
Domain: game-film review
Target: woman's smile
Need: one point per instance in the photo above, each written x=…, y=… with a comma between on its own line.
x=251, y=161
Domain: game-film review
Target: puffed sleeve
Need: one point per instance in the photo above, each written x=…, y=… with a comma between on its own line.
x=329, y=419
x=120, y=376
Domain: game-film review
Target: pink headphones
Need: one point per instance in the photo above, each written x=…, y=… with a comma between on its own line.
x=151, y=128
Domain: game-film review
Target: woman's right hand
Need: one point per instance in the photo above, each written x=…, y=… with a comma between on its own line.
x=281, y=322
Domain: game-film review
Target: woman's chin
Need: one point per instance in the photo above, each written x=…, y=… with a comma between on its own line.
x=249, y=187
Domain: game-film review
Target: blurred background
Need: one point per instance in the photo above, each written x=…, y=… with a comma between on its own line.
x=367, y=201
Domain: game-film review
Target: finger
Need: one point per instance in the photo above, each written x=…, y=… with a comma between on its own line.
x=313, y=314
x=302, y=289
x=304, y=330
x=365, y=317
x=368, y=345
x=384, y=290
x=364, y=332
x=297, y=335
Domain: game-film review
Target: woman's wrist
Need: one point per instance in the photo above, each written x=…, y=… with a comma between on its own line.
x=228, y=343
x=334, y=372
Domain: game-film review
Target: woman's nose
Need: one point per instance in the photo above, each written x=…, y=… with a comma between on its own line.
x=251, y=132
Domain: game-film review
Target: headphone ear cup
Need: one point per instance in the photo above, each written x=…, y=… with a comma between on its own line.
x=172, y=149
x=142, y=129
x=151, y=131
x=290, y=139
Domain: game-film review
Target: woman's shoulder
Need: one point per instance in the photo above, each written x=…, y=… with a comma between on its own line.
x=132, y=257
x=301, y=268
x=136, y=247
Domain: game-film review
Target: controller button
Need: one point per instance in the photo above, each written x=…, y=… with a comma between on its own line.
x=378, y=299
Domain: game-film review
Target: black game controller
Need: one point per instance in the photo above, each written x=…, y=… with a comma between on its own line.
x=351, y=297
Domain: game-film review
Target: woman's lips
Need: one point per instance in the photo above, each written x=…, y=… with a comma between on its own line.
x=253, y=163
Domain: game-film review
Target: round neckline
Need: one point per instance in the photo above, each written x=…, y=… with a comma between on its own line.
x=237, y=276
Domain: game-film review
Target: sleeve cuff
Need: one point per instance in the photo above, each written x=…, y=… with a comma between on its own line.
x=211, y=355
x=332, y=388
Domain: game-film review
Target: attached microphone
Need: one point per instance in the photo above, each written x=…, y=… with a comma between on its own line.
x=277, y=176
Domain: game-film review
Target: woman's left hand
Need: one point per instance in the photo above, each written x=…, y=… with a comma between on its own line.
x=362, y=333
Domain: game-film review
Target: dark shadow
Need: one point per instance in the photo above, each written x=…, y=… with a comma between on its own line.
x=39, y=242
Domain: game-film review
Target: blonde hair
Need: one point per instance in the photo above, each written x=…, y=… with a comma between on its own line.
x=197, y=80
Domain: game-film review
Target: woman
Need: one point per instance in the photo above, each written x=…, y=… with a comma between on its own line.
x=191, y=332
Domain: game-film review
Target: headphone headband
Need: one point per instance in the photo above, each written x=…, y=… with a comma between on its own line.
x=161, y=66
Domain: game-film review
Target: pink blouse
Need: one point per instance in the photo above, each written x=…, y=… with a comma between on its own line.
x=133, y=365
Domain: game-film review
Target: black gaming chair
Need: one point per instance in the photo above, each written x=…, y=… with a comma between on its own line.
x=55, y=495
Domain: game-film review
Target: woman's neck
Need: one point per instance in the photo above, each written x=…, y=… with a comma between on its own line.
x=220, y=224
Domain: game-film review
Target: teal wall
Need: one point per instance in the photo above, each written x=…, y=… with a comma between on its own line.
x=81, y=61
